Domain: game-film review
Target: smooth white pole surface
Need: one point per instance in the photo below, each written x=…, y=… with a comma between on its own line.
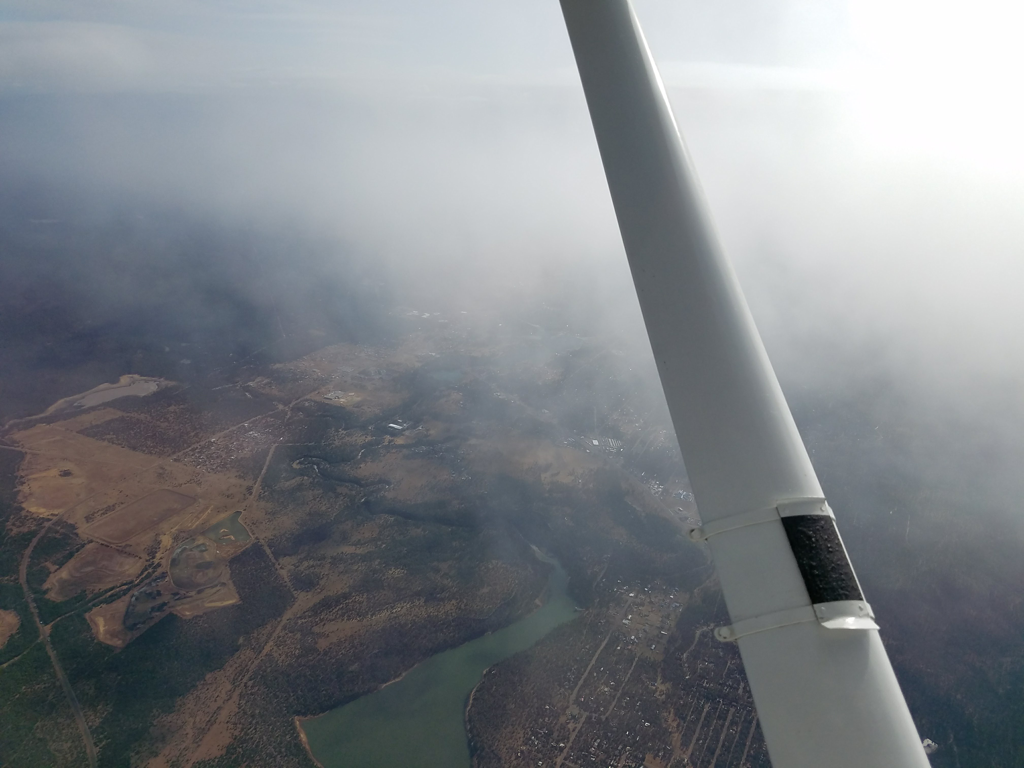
x=826, y=697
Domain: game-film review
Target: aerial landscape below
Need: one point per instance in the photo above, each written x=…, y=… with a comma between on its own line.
x=207, y=567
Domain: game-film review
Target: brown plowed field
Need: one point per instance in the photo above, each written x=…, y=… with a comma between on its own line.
x=61, y=469
x=139, y=516
x=107, y=622
x=96, y=567
x=9, y=623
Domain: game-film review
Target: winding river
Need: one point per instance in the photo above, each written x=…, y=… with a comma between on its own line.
x=418, y=721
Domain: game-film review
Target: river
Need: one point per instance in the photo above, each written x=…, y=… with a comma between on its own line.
x=418, y=721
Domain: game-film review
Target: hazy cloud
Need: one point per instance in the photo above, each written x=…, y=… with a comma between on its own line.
x=452, y=142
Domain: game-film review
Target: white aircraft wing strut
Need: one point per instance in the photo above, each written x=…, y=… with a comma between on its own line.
x=824, y=689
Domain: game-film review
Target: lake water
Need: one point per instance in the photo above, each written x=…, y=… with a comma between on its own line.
x=137, y=389
x=418, y=721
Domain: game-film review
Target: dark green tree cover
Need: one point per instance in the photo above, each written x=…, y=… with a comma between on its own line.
x=36, y=725
x=12, y=546
x=133, y=686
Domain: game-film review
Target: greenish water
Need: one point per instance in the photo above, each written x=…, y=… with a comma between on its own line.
x=228, y=530
x=418, y=722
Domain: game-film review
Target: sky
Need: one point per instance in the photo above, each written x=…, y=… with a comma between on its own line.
x=861, y=158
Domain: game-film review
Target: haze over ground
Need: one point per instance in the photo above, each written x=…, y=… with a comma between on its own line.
x=861, y=163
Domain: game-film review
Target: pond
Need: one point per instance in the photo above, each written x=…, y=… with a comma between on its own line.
x=228, y=531
x=418, y=721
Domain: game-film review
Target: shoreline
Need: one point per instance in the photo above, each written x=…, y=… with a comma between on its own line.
x=305, y=742
x=538, y=603
x=66, y=403
x=465, y=716
x=300, y=719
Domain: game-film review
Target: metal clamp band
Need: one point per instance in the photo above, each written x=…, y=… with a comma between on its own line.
x=845, y=614
x=790, y=508
x=801, y=615
x=841, y=614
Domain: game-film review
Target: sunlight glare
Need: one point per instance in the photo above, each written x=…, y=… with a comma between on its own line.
x=942, y=79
